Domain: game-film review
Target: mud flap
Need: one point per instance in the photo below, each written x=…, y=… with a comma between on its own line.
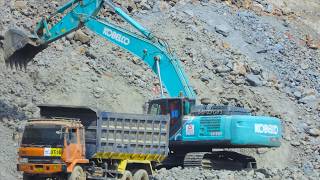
x=19, y=48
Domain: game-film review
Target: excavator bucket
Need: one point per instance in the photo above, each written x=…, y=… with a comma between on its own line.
x=19, y=48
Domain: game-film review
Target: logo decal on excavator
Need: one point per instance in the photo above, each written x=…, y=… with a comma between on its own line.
x=266, y=129
x=116, y=36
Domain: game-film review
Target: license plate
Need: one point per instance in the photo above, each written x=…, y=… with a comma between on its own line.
x=55, y=152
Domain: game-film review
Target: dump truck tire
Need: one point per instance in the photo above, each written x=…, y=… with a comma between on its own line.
x=77, y=174
x=126, y=176
x=26, y=177
x=31, y=177
x=141, y=175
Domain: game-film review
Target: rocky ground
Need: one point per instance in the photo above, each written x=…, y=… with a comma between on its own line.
x=263, y=55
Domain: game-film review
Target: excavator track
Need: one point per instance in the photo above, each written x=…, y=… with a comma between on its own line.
x=194, y=159
x=172, y=160
x=218, y=160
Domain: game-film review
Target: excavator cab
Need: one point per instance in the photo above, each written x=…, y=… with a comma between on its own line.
x=175, y=107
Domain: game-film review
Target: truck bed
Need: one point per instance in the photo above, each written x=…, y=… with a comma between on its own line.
x=133, y=136
x=118, y=135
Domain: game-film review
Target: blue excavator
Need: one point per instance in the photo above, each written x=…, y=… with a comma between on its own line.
x=196, y=131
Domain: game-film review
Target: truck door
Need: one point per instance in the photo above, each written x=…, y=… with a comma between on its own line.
x=73, y=147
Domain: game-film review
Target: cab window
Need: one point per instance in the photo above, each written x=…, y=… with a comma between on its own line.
x=187, y=105
x=73, y=136
x=175, y=109
x=154, y=109
x=158, y=108
x=175, y=115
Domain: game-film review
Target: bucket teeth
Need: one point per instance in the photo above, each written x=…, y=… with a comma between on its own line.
x=19, y=49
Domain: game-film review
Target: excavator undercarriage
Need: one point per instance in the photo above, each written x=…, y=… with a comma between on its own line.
x=227, y=160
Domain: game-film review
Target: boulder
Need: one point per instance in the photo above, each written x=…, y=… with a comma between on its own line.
x=81, y=36
x=20, y=5
x=239, y=68
x=223, y=29
x=254, y=80
x=314, y=132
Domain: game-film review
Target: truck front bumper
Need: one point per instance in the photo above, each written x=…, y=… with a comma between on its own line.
x=31, y=168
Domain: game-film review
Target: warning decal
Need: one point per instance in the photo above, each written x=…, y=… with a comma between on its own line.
x=189, y=129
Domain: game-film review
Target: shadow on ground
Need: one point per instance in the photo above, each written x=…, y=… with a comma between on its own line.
x=10, y=112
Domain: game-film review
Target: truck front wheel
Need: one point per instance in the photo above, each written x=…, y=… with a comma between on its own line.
x=31, y=177
x=126, y=176
x=77, y=174
x=26, y=176
x=141, y=174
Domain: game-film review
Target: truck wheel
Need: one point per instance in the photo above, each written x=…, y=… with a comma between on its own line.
x=141, y=174
x=26, y=177
x=77, y=174
x=32, y=177
x=126, y=176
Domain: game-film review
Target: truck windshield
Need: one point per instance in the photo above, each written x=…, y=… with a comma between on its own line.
x=42, y=135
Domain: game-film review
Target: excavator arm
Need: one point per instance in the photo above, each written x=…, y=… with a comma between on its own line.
x=83, y=13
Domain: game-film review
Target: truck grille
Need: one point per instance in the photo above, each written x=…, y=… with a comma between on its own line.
x=211, y=125
x=43, y=160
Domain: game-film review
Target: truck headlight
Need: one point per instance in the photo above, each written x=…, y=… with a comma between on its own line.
x=23, y=160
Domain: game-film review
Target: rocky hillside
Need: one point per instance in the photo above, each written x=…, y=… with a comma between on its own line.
x=261, y=54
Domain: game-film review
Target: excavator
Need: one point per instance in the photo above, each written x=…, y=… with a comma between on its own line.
x=197, y=132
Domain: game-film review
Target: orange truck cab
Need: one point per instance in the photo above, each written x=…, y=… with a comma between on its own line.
x=51, y=148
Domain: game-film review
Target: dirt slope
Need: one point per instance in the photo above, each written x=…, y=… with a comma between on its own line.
x=237, y=56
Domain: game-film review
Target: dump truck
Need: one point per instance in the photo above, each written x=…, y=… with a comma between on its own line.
x=79, y=143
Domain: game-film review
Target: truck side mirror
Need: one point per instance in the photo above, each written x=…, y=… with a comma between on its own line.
x=17, y=135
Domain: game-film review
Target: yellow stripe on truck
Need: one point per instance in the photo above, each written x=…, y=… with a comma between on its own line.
x=129, y=156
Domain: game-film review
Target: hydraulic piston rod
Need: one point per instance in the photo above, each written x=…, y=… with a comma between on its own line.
x=157, y=59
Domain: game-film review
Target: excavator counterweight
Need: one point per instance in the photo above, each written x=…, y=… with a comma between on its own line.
x=20, y=48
